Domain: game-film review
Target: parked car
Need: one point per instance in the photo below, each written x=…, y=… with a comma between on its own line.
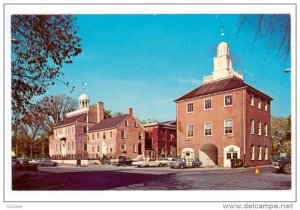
x=165, y=161
x=236, y=163
x=23, y=160
x=124, y=162
x=147, y=162
x=185, y=163
x=282, y=164
x=46, y=162
x=22, y=172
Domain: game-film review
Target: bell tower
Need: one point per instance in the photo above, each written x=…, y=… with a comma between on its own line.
x=222, y=63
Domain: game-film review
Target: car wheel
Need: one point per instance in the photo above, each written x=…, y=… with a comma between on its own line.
x=181, y=166
x=165, y=165
x=287, y=168
x=160, y=165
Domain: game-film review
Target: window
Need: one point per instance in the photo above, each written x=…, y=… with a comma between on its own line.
x=73, y=129
x=93, y=149
x=134, y=149
x=85, y=147
x=123, y=147
x=252, y=127
x=98, y=148
x=207, y=128
x=259, y=152
x=93, y=136
x=84, y=129
x=228, y=126
x=251, y=99
x=259, y=128
x=190, y=131
x=123, y=135
x=68, y=130
x=98, y=135
x=140, y=135
x=103, y=134
x=135, y=124
x=126, y=123
x=68, y=147
x=110, y=148
x=266, y=106
x=228, y=100
x=72, y=145
x=259, y=103
x=266, y=129
x=207, y=104
x=266, y=153
x=190, y=107
x=228, y=155
x=252, y=152
x=110, y=134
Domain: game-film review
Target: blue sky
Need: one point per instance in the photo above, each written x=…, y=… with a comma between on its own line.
x=147, y=61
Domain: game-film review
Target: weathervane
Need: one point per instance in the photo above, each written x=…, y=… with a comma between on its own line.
x=84, y=85
x=222, y=31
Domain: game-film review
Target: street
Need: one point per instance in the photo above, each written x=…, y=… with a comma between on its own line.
x=95, y=177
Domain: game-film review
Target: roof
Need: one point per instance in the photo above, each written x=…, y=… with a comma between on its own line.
x=219, y=86
x=109, y=123
x=69, y=120
x=83, y=97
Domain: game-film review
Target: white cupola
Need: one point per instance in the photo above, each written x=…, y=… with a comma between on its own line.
x=83, y=101
x=222, y=65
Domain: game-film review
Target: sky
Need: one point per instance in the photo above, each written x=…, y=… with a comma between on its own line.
x=147, y=61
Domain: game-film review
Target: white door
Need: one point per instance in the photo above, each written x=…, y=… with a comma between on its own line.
x=103, y=148
x=230, y=152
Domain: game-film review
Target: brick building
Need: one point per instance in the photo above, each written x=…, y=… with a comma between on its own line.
x=224, y=118
x=88, y=134
x=160, y=139
x=116, y=136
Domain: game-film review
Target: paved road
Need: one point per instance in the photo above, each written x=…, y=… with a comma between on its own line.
x=130, y=178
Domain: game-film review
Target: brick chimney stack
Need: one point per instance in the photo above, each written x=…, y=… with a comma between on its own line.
x=100, y=111
x=130, y=111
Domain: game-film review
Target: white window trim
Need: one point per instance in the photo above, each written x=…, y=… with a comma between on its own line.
x=124, y=134
x=210, y=103
x=259, y=102
x=210, y=128
x=259, y=128
x=187, y=131
x=231, y=127
x=266, y=106
x=252, y=152
x=187, y=107
x=252, y=102
x=266, y=129
x=266, y=153
x=252, y=127
x=124, y=146
x=110, y=134
x=225, y=101
x=259, y=153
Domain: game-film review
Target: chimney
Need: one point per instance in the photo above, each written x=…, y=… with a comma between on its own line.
x=100, y=111
x=130, y=111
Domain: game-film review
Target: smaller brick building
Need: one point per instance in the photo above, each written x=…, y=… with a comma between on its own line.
x=116, y=136
x=88, y=134
x=160, y=139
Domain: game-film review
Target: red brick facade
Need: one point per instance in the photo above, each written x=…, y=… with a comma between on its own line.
x=160, y=140
x=240, y=112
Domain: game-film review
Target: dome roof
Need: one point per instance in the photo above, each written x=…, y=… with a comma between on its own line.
x=83, y=97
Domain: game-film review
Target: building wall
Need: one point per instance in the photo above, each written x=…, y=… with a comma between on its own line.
x=132, y=138
x=256, y=140
x=216, y=115
x=97, y=147
x=163, y=141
